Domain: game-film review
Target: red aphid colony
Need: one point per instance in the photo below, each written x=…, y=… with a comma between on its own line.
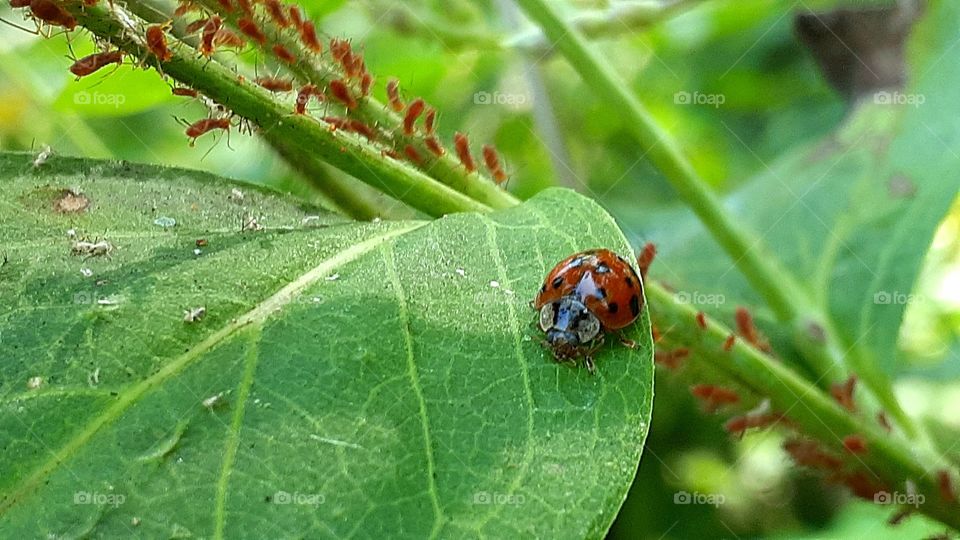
x=843, y=393
x=341, y=93
x=855, y=444
x=250, y=29
x=284, y=54
x=275, y=84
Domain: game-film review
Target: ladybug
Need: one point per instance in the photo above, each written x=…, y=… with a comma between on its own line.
x=584, y=297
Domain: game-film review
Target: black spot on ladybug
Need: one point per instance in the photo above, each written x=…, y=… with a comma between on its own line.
x=543, y=288
x=602, y=292
x=603, y=269
x=613, y=307
x=557, y=282
x=635, y=305
x=629, y=282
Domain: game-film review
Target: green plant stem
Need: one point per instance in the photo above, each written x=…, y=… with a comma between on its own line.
x=347, y=196
x=618, y=19
x=889, y=457
x=306, y=136
x=314, y=69
x=775, y=284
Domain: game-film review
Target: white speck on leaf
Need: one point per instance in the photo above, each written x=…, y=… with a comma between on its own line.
x=34, y=382
x=86, y=272
x=212, y=401
x=494, y=284
x=194, y=314
x=165, y=222
x=333, y=277
x=197, y=251
x=71, y=233
x=94, y=378
x=460, y=272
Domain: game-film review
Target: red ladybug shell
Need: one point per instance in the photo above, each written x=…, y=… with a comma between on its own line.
x=604, y=281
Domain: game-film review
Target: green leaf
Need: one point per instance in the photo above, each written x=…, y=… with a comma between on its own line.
x=852, y=215
x=113, y=91
x=364, y=379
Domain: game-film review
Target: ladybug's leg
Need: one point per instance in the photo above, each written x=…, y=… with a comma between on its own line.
x=591, y=367
x=627, y=342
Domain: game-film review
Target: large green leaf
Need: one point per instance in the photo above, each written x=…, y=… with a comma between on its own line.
x=851, y=216
x=374, y=379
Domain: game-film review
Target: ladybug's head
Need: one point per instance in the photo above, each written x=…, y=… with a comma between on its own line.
x=569, y=326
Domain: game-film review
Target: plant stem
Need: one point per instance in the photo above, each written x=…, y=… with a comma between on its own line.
x=889, y=457
x=447, y=169
x=306, y=137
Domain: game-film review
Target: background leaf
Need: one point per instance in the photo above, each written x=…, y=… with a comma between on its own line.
x=359, y=378
x=852, y=214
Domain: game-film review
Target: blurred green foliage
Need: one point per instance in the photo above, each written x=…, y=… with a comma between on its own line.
x=774, y=101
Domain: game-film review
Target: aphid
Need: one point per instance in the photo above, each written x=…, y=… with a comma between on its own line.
x=284, y=54
x=701, y=320
x=492, y=161
x=413, y=154
x=91, y=249
x=246, y=7
x=738, y=425
x=227, y=38
x=391, y=153
x=861, y=485
x=843, y=393
x=251, y=30
x=340, y=91
x=393, y=96
x=50, y=12
x=275, y=10
x=728, y=343
x=339, y=48
x=184, y=7
x=366, y=83
x=414, y=110
x=295, y=16
x=358, y=126
x=185, y=92
x=749, y=330
x=194, y=314
x=646, y=257
x=713, y=396
x=671, y=359
x=585, y=296
x=884, y=421
x=42, y=158
x=205, y=125
x=855, y=444
x=227, y=5
x=808, y=454
x=898, y=517
x=195, y=26
x=946, y=487
x=213, y=400
x=308, y=34
x=201, y=242
x=157, y=42
x=210, y=30
x=275, y=84
x=462, y=145
x=91, y=63
x=303, y=97
x=433, y=144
